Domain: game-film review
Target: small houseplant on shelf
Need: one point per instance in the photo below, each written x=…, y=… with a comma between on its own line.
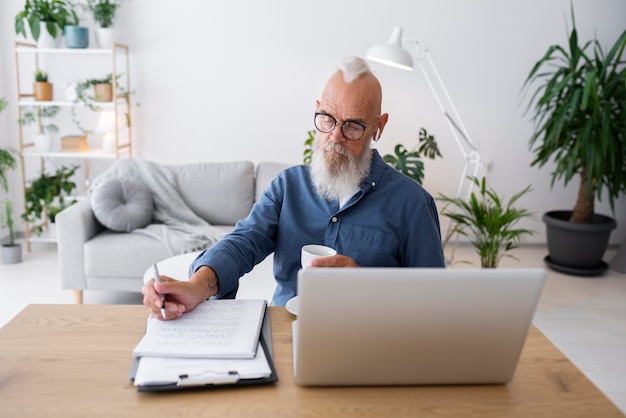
x=46, y=196
x=102, y=89
x=11, y=251
x=46, y=20
x=42, y=89
x=488, y=222
x=103, y=12
x=580, y=124
x=40, y=115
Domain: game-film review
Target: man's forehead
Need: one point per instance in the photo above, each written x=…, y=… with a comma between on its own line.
x=344, y=105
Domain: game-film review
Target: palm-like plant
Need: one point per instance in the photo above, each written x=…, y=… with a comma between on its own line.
x=488, y=221
x=580, y=118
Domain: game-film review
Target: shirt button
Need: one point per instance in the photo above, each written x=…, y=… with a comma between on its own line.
x=334, y=219
x=373, y=184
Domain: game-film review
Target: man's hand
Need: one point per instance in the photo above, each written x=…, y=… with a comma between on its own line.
x=180, y=297
x=334, y=261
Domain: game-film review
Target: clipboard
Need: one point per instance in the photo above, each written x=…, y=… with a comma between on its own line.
x=217, y=380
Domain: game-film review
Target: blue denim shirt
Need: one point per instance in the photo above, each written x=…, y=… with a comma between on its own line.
x=391, y=222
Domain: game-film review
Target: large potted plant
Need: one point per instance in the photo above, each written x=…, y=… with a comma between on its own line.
x=11, y=251
x=580, y=124
x=46, y=20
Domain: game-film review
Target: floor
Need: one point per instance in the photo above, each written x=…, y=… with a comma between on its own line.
x=584, y=317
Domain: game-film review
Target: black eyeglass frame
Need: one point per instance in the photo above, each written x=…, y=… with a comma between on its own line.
x=362, y=125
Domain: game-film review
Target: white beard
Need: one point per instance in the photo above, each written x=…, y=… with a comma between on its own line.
x=342, y=174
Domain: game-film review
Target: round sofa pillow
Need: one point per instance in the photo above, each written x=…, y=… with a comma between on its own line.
x=122, y=204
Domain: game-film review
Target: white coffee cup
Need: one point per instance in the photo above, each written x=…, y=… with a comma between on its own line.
x=312, y=251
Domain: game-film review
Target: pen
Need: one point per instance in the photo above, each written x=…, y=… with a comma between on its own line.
x=157, y=278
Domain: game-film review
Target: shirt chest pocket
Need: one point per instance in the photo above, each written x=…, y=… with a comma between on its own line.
x=369, y=247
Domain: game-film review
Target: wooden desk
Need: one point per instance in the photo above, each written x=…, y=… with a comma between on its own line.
x=73, y=360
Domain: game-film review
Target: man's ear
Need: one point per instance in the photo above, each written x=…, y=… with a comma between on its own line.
x=381, y=125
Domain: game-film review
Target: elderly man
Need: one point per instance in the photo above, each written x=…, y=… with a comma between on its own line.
x=347, y=199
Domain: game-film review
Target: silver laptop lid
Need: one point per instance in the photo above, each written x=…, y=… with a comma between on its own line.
x=404, y=326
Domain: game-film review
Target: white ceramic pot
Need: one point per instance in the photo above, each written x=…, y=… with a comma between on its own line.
x=43, y=142
x=105, y=37
x=46, y=40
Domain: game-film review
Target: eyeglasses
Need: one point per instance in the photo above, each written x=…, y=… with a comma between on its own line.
x=352, y=130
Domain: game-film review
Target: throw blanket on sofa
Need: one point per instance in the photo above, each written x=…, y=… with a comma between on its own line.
x=174, y=223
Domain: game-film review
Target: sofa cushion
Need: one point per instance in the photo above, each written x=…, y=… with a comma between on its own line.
x=122, y=204
x=220, y=193
x=265, y=173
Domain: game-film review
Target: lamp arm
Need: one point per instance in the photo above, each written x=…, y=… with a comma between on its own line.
x=473, y=163
x=453, y=119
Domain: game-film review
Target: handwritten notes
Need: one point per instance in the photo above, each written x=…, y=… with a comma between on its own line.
x=213, y=329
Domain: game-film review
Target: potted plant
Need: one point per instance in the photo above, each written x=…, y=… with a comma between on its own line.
x=46, y=20
x=488, y=222
x=11, y=251
x=102, y=89
x=409, y=162
x=42, y=89
x=47, y=195
x=580, y=125
x=76, y=36
x=103, y=12
x=42, y=140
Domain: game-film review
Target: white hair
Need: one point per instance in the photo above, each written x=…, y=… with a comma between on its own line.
x=353, y=68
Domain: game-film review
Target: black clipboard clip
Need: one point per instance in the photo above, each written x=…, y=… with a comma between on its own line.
x=208, y=377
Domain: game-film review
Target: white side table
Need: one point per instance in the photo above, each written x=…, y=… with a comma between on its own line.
x=258, y=284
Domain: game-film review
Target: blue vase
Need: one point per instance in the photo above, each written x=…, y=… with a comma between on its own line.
x=76, y=37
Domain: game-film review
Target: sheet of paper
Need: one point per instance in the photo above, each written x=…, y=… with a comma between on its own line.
x=167, y=370
x=213, y=329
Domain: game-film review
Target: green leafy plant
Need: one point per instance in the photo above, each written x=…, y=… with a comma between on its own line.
x=55, y=13
x=580, y=118
x=488, y=221
x=83, y=88
x=41, y=77
x=103, y=11
x=7, y=163
x=308, y=147
x=410, y=162
x=41, y=113
x=47, y=196
x=83, y=96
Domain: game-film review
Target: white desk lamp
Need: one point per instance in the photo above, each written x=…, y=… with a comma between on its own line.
x=393, y=54
x=107, y=125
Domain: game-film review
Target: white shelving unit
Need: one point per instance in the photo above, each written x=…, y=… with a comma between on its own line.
x=119, y=63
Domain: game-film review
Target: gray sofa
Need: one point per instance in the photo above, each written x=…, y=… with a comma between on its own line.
x=93, y=257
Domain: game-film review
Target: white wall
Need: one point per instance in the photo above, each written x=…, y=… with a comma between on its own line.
x=235, y=80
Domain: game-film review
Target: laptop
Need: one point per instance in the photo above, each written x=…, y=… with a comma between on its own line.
x=412, y=326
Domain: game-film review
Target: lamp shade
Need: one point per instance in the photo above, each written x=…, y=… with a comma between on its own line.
x=391, y=53
x=106, y=121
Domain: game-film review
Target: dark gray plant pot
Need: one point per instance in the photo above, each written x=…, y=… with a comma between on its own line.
x=11, y=254
x=577, y=248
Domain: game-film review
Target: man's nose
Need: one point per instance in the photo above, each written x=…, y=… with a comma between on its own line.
x=336, y=135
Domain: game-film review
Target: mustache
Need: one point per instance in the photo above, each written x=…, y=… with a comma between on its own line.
x=335, y=147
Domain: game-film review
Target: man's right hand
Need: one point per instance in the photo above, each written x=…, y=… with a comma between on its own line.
x=180, y=296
